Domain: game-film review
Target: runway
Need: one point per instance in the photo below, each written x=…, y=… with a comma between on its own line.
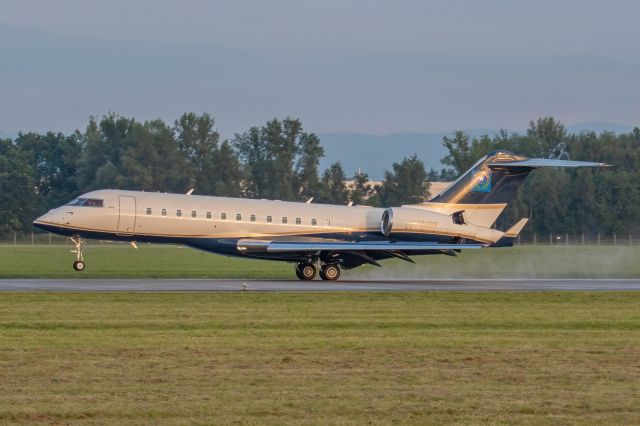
x=159, y=285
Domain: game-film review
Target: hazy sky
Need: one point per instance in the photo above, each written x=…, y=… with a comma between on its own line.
x=359, y=66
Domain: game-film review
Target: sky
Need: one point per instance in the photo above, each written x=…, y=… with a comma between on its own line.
x=340, y=66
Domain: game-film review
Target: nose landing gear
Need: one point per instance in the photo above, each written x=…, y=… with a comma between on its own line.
x=78, y=265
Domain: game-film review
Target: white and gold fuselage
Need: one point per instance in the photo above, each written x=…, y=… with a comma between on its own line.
x=222, y=224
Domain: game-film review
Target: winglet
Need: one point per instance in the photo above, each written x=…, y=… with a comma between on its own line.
x=515, y=230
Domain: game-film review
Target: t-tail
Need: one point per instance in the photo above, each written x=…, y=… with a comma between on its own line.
x=484, y=190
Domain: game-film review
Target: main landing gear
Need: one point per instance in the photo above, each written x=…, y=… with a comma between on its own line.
x=330, y=272
x=78, y=265
x=307, y=271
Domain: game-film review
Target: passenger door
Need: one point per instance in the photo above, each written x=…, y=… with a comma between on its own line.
x=127, y=215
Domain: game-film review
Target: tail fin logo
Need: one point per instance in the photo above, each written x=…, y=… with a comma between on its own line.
x=483, y=182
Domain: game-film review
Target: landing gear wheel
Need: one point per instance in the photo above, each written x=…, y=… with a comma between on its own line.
x=306, y=271
x=330, y=272
x=78, y=265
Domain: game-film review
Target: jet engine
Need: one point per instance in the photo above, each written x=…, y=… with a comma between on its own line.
x=403, y=219
x=409, y=220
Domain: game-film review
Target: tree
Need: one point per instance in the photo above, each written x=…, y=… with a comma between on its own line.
x=151, y=160
x=254, y=158
x=280, y=138
x=333, y=189
x=307, y=180
x=279, y=161
x=550, y=135
x=119, y=152
x=463, y=152
x=362, y=189
x=52, y=157
x=18, y=197
x=406, y=184
x=211, y=166
x=103, y=145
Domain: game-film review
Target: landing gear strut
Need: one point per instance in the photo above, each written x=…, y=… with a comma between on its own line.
x=330, y=272
x=78, y=265
x=306, y=271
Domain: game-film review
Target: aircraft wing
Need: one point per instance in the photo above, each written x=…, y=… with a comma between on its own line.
x=248, y=245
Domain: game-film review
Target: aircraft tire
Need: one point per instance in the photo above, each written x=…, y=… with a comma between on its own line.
x=78, y=265
x=306, y=271
x=330, y=272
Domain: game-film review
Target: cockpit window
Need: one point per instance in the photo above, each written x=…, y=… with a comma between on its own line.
x=87, y=202
x=77, y=202
x=92, y=202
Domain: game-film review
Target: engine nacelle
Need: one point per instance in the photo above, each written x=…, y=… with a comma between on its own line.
x=399, y=220
x=402, y=219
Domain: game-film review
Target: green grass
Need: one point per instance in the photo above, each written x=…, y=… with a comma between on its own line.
x=331, y=358
x=106, y=261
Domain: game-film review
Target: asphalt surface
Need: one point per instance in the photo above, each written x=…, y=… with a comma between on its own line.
x=90, y=285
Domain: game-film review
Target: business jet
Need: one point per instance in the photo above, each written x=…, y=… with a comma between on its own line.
x=333, y=237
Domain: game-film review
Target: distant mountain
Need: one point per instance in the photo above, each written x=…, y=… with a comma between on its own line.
x=5, y=135
x=599, y=127
x=375, y=154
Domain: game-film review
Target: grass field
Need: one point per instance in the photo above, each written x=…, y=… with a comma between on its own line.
x=104, y=261
x=331, y=358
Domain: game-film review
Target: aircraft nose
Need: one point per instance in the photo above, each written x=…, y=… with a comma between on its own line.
x=46, y=220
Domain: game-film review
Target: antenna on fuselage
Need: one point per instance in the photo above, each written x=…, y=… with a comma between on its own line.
x=189, y=192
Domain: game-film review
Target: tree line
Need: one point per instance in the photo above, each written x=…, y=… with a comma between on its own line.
x=279, y=160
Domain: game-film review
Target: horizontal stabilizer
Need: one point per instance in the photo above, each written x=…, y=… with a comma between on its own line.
x=515, y=230
x=535, y=163
x=511, y=234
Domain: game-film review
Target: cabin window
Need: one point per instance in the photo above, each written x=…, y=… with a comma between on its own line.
x=164, y=212
x=208, y=215
x=223, y=216
x=298, y=221
x=238, y=216
x=314, y=222
x=179, y=213
x=269, y=219
x=148, y=211
x=284, y=219
x=194, y=214
x=253, y=218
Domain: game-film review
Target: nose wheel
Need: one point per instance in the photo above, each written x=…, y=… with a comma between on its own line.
x=79, y=264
